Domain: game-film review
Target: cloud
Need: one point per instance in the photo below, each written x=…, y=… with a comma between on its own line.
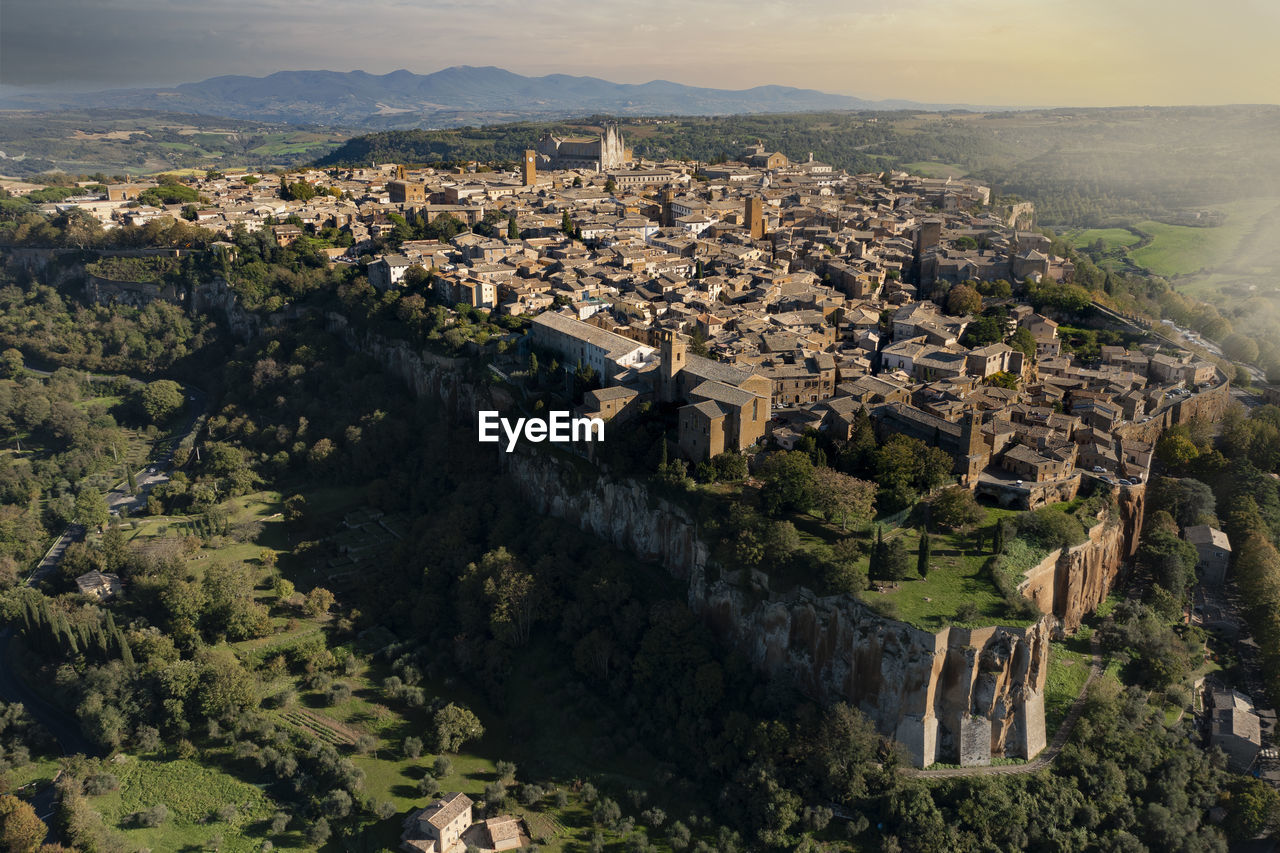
x=975, y=51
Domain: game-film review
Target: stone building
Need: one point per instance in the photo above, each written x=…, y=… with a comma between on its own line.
x=605, y=153
x=437, y=828
x=1214, y=549
x=726, y=406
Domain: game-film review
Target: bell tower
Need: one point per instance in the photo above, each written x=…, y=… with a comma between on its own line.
x=674, y=354
x=529, y=169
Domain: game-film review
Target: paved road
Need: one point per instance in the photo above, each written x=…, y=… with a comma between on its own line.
x=1046, y=757
x=53, y=556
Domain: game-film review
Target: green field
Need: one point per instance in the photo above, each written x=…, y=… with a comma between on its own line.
x=1112, y=238
x=1179, y=250
x=957, y=576
x=192, y=793
x=934, y=169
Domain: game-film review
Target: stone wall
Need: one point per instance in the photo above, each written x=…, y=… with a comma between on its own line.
x=1209, y=405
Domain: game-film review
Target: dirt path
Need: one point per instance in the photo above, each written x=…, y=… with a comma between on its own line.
x=1046, y=757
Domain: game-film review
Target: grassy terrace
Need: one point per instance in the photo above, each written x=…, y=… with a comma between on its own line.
x=1111, y=238
x=957, y=576
x=958, y=569
x=1069, y=662
x=193, y=793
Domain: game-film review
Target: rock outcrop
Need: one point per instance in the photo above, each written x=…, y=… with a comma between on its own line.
x=1070, y=583
x=957, y=695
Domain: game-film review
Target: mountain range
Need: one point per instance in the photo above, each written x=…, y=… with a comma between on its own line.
x=453, y=96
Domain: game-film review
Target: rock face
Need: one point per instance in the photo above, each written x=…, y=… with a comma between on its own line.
x=958, y=695
x=1069, y=584
x=621, y=513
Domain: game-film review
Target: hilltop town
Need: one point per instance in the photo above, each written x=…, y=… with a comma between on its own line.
x=768, y=297
x=879, y=450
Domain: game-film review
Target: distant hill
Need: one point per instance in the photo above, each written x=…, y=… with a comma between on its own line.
x=452, y=97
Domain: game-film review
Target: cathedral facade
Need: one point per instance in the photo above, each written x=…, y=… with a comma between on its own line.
x=602, y=154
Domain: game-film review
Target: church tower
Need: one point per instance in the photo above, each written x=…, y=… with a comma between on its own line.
x=674, y=355
x=668, y=216
x=529, y=169
x=971, y=433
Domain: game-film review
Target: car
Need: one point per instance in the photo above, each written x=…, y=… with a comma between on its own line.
x=1124, y=482
x=1098, y=469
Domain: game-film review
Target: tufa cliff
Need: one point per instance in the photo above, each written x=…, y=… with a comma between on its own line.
x=1070, y=583
x=957, y=695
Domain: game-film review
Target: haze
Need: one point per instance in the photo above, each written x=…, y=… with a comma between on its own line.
x=1010, y=52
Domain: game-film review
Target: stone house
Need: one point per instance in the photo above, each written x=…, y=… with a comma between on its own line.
x=1234, y=728
x=437, y=828
x=1214, y=549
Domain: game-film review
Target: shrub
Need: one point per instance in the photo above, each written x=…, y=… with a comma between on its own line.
x=154, y=816
x=1051, y=528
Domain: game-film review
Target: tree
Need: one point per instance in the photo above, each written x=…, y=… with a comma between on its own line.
x=1024, y=342
x=894, y=562
x=21, y=831
x=963, y=299
x=922, y=553
x=318, y=832
x=412, y=747
x=905, y=467
x=1175, y=450
x=1254, y=808
x=454, y=726
x=840, y=496
x=1240, y=347
x=955, y=507
x=161, y=400
x=91, y=509
x=11, y=363
x=318, y=601
x=513, y=231
x=788, y=477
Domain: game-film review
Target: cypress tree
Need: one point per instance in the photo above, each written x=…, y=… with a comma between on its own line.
x=877, y=554
x=997, y=538
x=126, y=653
x=83, y=635
x=104, y=643
x=30, y=620
x=923, y=553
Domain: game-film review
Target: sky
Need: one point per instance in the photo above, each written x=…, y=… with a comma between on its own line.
x=992, y=52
